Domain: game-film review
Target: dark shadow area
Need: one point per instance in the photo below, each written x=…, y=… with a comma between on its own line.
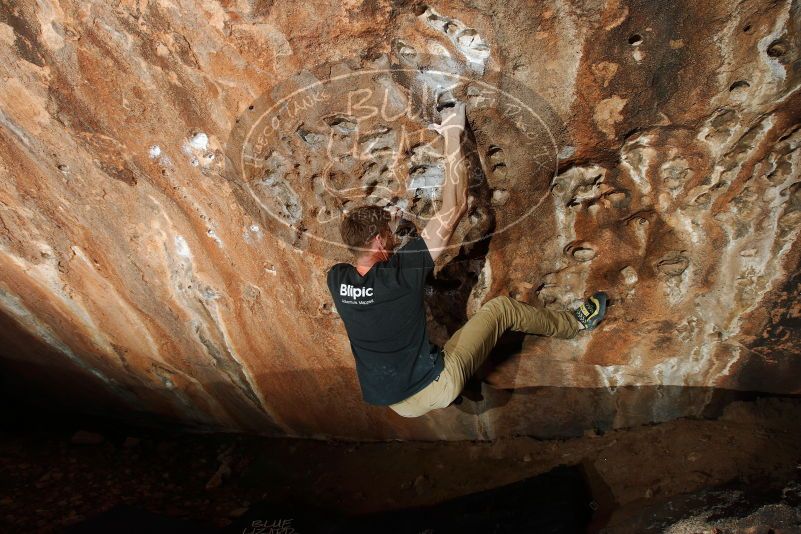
x=554, y=502
x=557, y=501
x=126, y=519
x=32, y=394
x=126, y=477
x=538, y=412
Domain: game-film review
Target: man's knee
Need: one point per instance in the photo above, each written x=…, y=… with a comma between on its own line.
x=497, y=305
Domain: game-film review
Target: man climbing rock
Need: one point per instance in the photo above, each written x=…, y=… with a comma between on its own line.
x=380, y=300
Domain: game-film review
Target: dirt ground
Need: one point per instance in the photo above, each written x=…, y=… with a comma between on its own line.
x=55, y=476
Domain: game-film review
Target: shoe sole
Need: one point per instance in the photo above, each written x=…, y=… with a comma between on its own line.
x=600, y=300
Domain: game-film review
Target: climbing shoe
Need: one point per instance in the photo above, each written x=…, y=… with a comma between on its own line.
x=592, y=311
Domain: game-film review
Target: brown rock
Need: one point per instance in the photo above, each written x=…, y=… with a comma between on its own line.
x=165, y=230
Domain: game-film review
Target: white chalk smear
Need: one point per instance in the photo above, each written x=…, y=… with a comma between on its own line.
x=200, y=141
x=182, y=247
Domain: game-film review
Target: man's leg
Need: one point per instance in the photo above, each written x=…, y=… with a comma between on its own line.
x=469, y=346
x=424, y=400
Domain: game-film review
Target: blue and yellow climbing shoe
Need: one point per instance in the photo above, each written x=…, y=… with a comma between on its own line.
x=592, y=311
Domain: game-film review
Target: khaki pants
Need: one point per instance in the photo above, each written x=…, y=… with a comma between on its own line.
x=469, y=346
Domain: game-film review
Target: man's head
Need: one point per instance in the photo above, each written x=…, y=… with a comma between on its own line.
x=366, y=230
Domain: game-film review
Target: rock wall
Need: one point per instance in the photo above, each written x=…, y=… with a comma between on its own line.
x=157, y=256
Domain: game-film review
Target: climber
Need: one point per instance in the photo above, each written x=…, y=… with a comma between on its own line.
x=380, y=300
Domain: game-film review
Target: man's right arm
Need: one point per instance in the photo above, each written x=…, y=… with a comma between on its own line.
x=438, y=231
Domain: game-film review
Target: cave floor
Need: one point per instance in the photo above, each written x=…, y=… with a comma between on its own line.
x=52, y=477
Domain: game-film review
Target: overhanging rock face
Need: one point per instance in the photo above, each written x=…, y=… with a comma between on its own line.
x=172, y=177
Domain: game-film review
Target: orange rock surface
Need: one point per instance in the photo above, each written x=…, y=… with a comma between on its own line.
x=171, y=175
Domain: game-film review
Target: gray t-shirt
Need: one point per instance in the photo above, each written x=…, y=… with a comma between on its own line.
x=385, y=319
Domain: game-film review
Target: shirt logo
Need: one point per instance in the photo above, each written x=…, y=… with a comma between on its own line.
x=347, y=290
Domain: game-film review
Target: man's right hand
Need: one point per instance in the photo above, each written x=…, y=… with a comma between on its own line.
x=453, y=120
x=440, y=228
